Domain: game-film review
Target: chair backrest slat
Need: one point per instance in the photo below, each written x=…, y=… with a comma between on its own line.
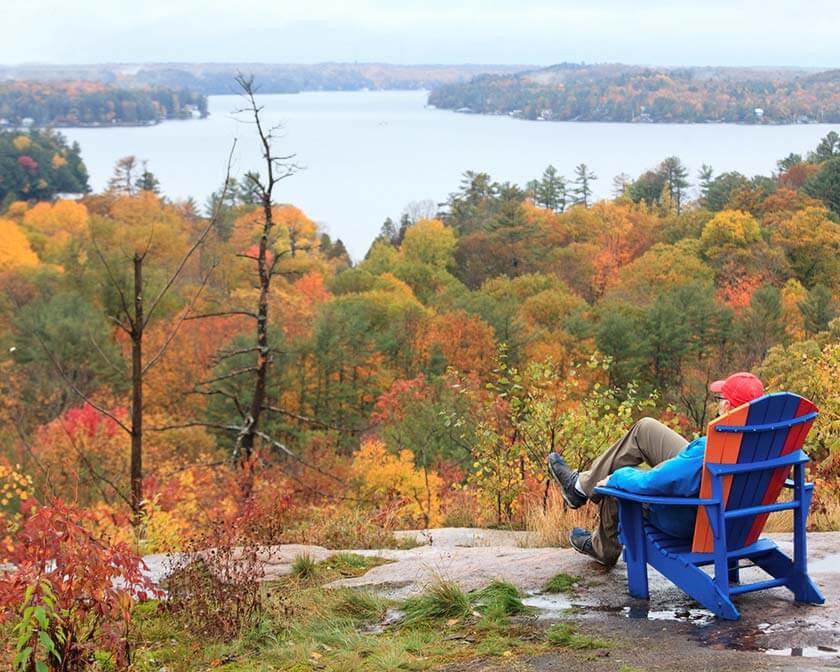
x=748, y=489
x=734, y=447
x=776, y=479
x=721, y=448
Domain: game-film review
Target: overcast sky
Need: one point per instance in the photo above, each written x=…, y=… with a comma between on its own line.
x=654, y=32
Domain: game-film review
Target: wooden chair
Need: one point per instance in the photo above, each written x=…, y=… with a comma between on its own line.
x=749, y=455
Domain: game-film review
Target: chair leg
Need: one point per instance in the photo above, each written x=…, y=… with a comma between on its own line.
x=635, y=548
x=697, y=584
x=799, y=582
x=779, y=566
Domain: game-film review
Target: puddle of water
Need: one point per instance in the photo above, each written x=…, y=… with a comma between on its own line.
x=699, y=617
x=806, y=652
x=828, y=564
x=550, y=606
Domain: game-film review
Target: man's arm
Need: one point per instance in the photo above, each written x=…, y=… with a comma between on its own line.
x=679, y=476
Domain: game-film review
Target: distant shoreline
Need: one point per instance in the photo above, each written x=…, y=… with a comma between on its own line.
x=41, y=127
x=641, y=122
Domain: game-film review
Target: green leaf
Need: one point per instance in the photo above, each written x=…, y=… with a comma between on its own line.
x=41, y=666
x=46, y=642
x=25, y=636
x=41, y=617
x=22, y=657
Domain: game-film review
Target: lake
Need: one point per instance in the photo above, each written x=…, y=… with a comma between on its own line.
x=367, y=154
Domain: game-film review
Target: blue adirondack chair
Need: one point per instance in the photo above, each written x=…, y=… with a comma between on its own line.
x=749, y=455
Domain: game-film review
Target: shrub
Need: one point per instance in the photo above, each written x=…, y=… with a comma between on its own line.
x=394, y=481
x=215, y=588
x=70, y=593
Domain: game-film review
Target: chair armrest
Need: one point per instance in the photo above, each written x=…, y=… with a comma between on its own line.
x=798, y=457
x=648, y=499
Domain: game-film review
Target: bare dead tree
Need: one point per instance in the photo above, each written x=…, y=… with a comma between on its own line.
x=245, y=385
x=277, y=168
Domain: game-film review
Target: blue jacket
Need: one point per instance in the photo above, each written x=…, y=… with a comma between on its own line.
x=677, y=477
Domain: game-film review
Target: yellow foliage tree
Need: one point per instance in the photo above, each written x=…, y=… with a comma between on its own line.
x=52, y=226
x=15, y=252
x=430, y=242
x=393, y=481
x=727, y=230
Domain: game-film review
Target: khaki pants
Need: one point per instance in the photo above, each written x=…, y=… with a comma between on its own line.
x=649, y=442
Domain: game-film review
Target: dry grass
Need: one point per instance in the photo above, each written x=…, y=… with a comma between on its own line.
x=825, y=512
x=342, y=527
x=781, y=521
x=824, y=515
x=551, y=526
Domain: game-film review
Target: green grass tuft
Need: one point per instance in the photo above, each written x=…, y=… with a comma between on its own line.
x=562, y=583
x=304, y=567
x=442, y=599
x=352, y=561
x=360, y=605
x=564, y=634
x=500, y=597
x=347, y=564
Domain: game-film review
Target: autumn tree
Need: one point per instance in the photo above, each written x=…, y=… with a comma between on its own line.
x=810, y=240
x=143, y=248
x=16, y=251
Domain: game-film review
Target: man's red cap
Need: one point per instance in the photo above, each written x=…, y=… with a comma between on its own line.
x=739, y=388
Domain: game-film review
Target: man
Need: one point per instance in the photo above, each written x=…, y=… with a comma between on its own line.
x=676, y=469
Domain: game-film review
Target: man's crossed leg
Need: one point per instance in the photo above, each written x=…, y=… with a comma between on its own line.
x=648, y=442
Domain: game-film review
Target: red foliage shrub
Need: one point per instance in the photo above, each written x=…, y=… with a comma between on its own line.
x=83, y=586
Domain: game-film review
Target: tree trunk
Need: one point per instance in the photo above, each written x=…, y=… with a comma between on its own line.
x=248, y=435
x=137, y=394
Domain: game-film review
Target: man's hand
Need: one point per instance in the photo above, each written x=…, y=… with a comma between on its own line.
x=602, y=483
